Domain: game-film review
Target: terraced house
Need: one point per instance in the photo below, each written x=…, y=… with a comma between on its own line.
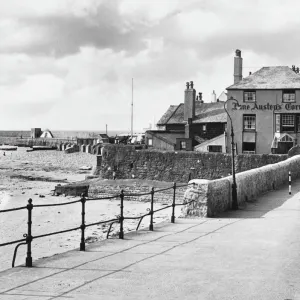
x=188, y=125
x=265, y=109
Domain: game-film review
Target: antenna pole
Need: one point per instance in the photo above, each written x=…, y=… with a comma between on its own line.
x=132, y=108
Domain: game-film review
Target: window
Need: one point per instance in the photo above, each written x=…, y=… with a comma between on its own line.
x=248, y=148
x=182, y=145
x=204, y=127
x=249, y=122
x=150, y=142
x=287, y=123
x=214, y=148
x=298, y=123
x=249, y=96
x=288, y=96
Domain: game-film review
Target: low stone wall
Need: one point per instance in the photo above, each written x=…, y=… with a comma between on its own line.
x=214, y=196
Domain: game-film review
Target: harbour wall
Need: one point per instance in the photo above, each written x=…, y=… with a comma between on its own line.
x=212, y=197
x=128, y=163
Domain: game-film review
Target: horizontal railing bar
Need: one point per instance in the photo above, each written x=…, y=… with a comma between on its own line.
x=104, y=198
x=165, y=189
x=102, y=222
x=13, y=209
x=56, y=204
x=137, y=195
x=162, y=208
x=134, y=218
x=10, y=243
x=53, y=233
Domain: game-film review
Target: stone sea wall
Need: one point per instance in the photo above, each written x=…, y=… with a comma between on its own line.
x=214, y=196
x=181, y=166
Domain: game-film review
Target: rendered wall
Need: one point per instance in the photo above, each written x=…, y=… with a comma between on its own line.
x=214, y=196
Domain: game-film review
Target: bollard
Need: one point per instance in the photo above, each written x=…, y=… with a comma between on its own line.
x=290, y=183
x=121, y=218
x=82, y=227
x=29, y=236
x=151, y=210
x=173, y=204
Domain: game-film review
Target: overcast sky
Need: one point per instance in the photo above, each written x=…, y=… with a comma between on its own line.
x=68, y=64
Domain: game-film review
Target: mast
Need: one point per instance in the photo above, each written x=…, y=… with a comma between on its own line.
x=132, y=108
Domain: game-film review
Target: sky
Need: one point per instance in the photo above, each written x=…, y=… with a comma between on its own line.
x=69, y=64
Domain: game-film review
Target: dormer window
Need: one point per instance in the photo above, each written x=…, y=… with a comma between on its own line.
x=249, y=96
x=288, y=96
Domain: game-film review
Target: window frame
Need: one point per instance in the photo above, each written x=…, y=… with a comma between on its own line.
x=246, y=92
x=249, y=129
x=288, y=92
x=181, y=145
x=248, y=151
x=150, y=144
x=286, y=126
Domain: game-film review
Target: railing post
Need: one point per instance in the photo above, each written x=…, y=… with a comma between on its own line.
x=29, y=236
x=121, y=218
x=173, y=204
x=290, y=183
x=82, y=227
x=151, y=210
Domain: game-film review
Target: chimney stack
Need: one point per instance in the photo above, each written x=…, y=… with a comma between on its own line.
x=213, y=97
x=238, y=66
x=189, y=101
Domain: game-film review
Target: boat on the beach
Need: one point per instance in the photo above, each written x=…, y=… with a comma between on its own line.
x=36, y=148
x=8, y=148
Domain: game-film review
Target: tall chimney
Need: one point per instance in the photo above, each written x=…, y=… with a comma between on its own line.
x=189, y=101
x=238, y=66
x=213, y=97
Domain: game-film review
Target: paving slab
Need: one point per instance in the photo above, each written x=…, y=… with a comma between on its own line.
x=253, y=253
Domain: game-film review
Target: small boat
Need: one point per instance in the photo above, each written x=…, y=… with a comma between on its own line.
x=8, y=148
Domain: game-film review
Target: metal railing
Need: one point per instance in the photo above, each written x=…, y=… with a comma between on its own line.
x=28, y=237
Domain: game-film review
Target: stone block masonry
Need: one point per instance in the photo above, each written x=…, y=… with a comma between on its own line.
x=214, y=196
x=181, y=166
x=107, y=188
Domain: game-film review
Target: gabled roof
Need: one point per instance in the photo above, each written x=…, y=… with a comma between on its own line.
x=166, y=116
x=204, y=113
x=279, y=77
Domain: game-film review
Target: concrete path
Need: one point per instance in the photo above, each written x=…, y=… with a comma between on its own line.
x=252, y=253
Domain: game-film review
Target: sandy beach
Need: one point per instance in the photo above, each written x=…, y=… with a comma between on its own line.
x=25, y=175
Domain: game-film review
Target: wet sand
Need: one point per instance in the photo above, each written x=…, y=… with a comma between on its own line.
x=17, y=167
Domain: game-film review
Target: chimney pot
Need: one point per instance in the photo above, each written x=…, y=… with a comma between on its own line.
x=191, y=84
x=250, y=73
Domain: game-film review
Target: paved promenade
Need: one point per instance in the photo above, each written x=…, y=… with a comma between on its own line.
x=252, y=253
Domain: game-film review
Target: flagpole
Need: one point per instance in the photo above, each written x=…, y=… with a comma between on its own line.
x=132, y=108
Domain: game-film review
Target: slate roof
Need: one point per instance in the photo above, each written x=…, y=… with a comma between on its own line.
x=279, y=77
x=204, y=113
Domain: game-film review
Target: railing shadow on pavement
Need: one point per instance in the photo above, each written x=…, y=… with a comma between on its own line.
x=28, y=237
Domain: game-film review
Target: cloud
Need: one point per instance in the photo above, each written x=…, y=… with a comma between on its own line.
x=61, y=35
x=73, y=60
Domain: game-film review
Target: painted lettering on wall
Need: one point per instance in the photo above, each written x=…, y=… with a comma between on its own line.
x=268, y=106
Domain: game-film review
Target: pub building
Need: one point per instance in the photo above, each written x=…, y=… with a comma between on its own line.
x=264, y=108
